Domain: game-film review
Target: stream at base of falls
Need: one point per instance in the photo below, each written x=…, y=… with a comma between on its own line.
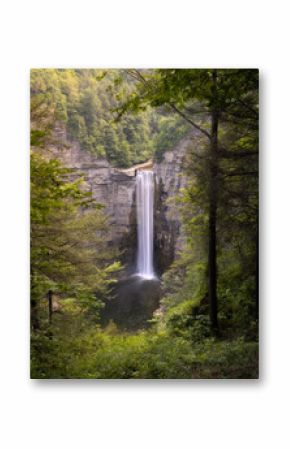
x=134, y=301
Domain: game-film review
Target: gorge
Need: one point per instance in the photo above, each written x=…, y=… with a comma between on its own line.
x=115, y=189
x=144, y=223
x=133, y=199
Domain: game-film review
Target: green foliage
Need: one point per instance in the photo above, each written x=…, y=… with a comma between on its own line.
x=69, y=249
x=185, y=320
x=170, y=132
x=85, y=101
x=68, y=244
x=234, y=359
x=147, y=355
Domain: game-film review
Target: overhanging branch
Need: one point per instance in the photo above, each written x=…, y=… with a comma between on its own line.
x=203, y=131
x=236, y=154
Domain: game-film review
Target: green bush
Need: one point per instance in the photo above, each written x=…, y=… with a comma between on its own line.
x=147, y=355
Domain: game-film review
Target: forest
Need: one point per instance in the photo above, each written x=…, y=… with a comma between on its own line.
x=204, y=323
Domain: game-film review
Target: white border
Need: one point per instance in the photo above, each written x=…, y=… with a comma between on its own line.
x=220, y=414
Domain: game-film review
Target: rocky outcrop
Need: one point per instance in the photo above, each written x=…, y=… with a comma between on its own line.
x=111, y=188
x=170, y=178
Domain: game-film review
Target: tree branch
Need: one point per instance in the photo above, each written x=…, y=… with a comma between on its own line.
x=203, y=131
x=248, y=107
x=245, y=173
x=233, y=155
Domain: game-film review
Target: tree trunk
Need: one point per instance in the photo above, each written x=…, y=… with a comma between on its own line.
x=34, y=315
x=213, y=189
x=257, y=269
x=50, y=306
x=34, y=319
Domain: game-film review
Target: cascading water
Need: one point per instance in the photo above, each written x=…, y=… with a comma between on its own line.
x=145, y=202
x=137, y=297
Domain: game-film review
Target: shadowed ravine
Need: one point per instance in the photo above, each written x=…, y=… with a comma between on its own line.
x=134, y=302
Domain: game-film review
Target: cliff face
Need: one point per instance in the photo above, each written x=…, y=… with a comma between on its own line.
x=170, y=178
x=109, y=187
x=115, y=189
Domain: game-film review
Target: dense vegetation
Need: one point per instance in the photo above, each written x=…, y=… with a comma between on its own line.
x=85, y=101
x=207, y=325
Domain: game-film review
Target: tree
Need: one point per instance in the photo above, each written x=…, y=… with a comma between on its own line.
x=84, y=101
x=69, y=251
x=200, y=96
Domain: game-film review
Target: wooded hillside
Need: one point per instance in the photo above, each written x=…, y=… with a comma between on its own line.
x=206, y=322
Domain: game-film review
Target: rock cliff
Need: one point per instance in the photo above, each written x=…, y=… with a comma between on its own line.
x=170, y=178
x=115, y=189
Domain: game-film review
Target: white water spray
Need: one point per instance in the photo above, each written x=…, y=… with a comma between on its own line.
x=145, y=202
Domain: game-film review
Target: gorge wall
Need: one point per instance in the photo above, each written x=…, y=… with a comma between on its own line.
x=115, y=189
x=170, y=178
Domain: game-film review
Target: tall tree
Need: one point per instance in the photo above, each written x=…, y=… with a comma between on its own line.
x=69, y=251
x=213, y=193
x=202, y=96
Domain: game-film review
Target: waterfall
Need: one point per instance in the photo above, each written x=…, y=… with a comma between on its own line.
x=145, y=202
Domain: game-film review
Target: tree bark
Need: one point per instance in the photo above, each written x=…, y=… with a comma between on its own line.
x=257, y=269
x=34, y=319
x=213, y=191
x=50, y=306
x=34, y=315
